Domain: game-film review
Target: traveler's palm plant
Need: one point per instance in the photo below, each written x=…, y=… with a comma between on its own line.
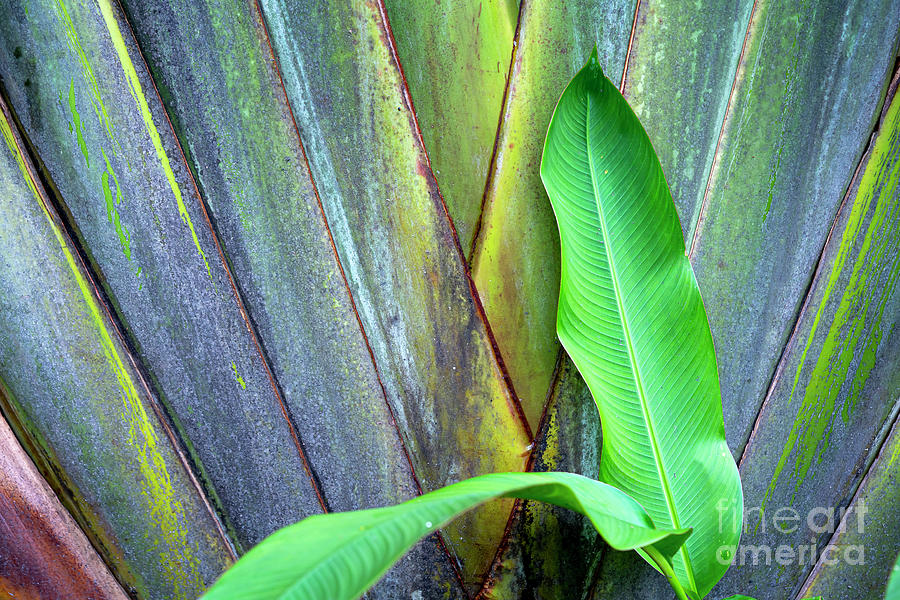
x=265, y=260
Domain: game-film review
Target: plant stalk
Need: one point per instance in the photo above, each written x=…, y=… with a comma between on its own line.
x=667, y=570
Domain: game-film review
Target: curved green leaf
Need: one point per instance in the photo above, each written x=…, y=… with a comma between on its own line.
x=340, y=555
x=631, y=318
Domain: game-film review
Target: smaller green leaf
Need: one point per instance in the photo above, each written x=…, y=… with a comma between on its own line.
x=743, y=597
x=893, y=587
x=341, y=555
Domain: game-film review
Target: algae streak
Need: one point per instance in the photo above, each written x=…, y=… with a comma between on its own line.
x=137, y=93
x=111, y=213
x=87, y=72
x=238, y=377
x=78, y=126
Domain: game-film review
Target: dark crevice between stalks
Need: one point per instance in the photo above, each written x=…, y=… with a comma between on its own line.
x=251, y=328
x=634, y=22
x=846, y=202
x=704, y=204
x=491, y=577
x=436, y=192
x=33, y=441
x=439, y=535
x=595, y=579
x=501, y=119
x=878, y=448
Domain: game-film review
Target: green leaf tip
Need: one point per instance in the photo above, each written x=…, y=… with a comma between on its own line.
x=592, y=66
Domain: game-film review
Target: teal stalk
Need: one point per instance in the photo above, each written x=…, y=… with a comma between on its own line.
x=241, y=143
x=835, y=390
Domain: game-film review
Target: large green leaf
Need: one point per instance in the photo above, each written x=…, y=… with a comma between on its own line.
x=631, y=318
x=340, y=555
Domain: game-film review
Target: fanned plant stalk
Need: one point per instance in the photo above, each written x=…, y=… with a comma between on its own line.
x=631, y=318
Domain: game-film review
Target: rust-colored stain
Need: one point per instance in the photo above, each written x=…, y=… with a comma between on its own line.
x=43, y=553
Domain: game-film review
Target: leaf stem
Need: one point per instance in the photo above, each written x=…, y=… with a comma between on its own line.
x=667, y=570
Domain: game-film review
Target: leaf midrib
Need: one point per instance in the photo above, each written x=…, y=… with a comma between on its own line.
x=654, y=443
